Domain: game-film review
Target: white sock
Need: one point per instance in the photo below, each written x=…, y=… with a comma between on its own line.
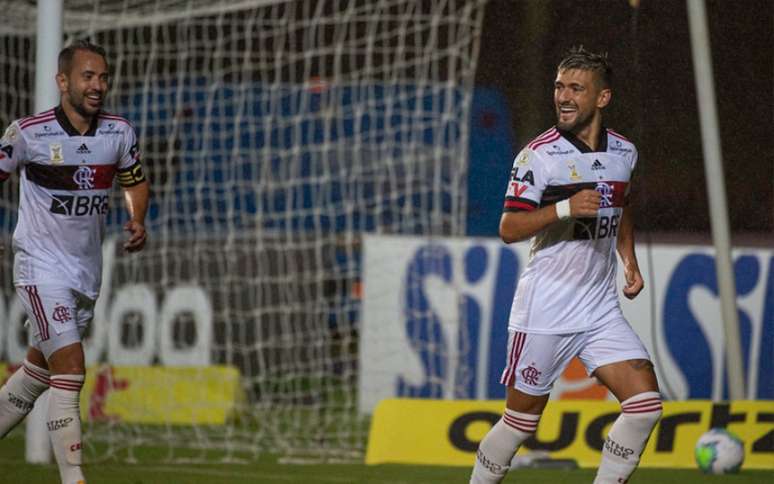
x=64, y=425
x=19, y=393
x=627, y=438
x=495, y=452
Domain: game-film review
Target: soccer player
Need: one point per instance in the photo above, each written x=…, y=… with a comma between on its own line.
x=67, y=158
x=569, y=191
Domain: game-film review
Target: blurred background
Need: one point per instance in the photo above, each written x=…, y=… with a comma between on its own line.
x=654, y=103
x=327, y=183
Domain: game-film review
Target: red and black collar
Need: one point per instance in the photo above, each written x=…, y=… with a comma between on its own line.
x=68, y=127
x=583, y=147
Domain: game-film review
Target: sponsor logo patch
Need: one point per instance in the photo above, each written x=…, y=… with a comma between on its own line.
x=617, y=449
x=492, y=466
x=574, y=176
x=47, y=132
x=111, y=129
x=55, y=150
x=17, y=402
x=61, y=423
x=10, y=134
x=6, y=150
x=558, y=151
x=72, y=205
x=618, y=146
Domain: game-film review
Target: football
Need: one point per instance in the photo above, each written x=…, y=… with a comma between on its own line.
x=718, y=451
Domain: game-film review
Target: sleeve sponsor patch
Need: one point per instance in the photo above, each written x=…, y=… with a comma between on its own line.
x=525, y=184
x=10, y=135
x=130, y=176
x=134, y=152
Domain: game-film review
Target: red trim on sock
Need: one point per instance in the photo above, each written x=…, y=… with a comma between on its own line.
x=520, y=423
x=66, y=384
x=36, y=375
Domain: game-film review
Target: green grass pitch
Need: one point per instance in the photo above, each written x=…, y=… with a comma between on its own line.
x=267, y=470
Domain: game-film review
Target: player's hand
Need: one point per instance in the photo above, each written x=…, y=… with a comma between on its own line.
x=634, y=282
x=137, y=236
x=585, y=203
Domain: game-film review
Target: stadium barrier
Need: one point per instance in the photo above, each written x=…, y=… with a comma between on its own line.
x=157, y=395
x=435, y=312
x=435, y=432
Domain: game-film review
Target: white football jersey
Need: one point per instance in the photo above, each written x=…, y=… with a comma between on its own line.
x=65, y=179
x=569, y=283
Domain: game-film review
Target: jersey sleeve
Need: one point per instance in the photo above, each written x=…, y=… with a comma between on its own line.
x=527, y=182
x=633, y=165
x=130, y=172
x=12, y=148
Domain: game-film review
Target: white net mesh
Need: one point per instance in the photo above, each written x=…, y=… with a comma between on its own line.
x=274, y=133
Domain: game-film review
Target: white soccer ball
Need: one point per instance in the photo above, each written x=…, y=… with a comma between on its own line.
x=718, y=451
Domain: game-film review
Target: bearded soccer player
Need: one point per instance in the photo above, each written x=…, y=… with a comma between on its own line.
x=569, y=192
x=68, y=158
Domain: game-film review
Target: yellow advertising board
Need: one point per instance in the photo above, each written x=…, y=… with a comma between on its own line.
x=157, y=394
x=444, y=432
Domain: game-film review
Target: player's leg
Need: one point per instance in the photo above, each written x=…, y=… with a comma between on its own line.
x=534, y=362
x=497, y=448
x=18, y=394
x=624, y=367
x=59, y=339
x=64, y=416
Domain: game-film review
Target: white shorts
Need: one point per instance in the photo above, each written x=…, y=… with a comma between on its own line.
x=57, y=316
x=535, y=361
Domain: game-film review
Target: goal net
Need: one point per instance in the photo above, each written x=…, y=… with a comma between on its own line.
x=274, y=134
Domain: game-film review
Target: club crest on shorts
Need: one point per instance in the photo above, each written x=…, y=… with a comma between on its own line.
x=61, y=314
x=530, y=375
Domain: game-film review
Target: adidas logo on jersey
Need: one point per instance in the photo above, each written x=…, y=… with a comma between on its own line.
x=597, y=165
x=83, y=149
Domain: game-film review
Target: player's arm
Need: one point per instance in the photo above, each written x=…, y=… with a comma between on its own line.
x=625, y=246
x=132, y=179
x=521, y=225
x=136, y=198
x=625, y=242
x=12, y=151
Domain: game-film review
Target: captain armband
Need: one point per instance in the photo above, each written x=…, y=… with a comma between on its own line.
x=131, y=176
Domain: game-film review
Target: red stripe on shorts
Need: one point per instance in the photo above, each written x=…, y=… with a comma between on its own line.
x=38, y=311
x=509, y=375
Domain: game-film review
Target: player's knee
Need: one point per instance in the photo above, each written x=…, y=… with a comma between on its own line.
x=69, y=359
x=645, y=408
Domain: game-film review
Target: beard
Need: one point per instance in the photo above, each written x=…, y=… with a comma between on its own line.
x=581, y=121
x=81, y=104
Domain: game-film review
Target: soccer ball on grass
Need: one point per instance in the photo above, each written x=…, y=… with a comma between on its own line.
x=718, y=451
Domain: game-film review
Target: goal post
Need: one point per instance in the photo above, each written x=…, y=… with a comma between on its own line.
x=274, y=133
